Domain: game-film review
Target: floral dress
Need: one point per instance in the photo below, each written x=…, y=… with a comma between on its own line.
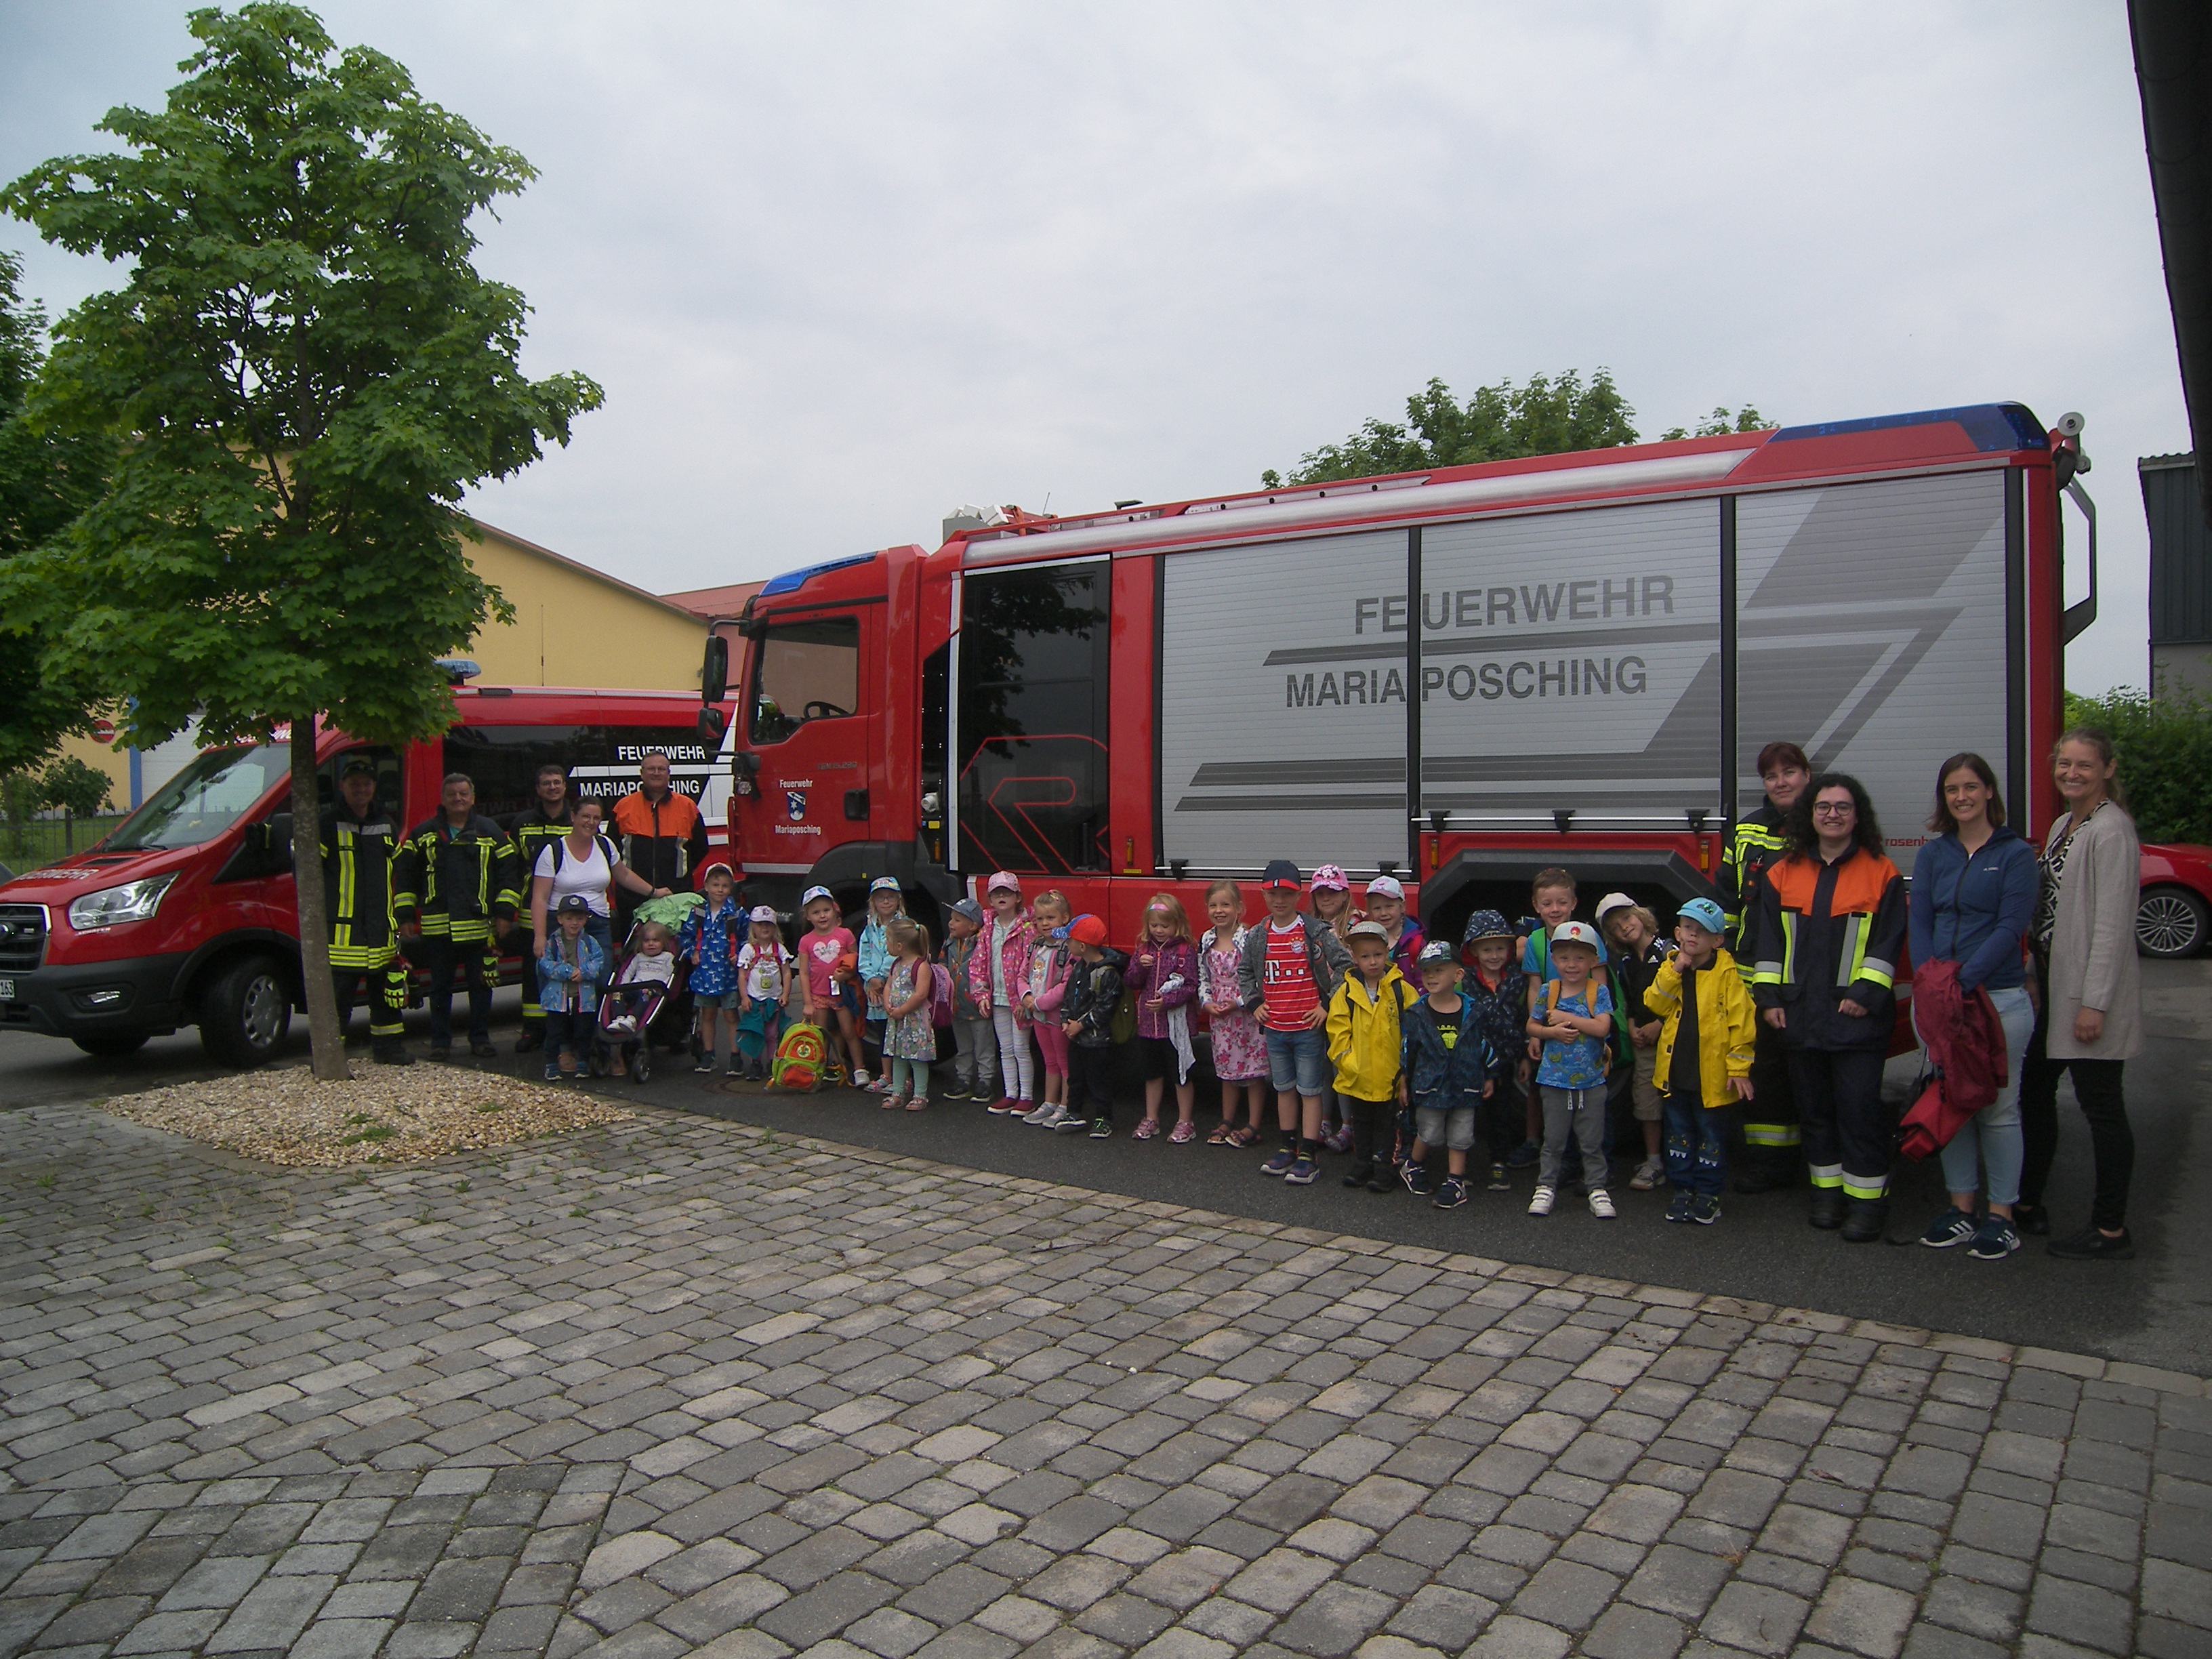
x=908, y=1037
x=1240, y=1052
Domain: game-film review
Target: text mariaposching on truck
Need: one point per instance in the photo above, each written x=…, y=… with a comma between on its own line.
x=1458, y=677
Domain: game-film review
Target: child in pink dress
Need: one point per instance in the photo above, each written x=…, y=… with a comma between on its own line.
x=1240, y=1054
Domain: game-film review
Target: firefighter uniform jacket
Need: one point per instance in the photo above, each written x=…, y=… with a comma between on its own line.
x=663, y=841
x=358, y=858
x=532, y=832
x=1823, y=933
x=459, y=880
x=1755, y=843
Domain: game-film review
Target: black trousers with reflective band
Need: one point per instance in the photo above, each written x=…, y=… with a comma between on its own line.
x=1848, y=1129
x=2097, y=1085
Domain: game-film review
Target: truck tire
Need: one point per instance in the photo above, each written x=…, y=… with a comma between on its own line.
x=2170, y=921
x=113, y=1045
x=245, y=1010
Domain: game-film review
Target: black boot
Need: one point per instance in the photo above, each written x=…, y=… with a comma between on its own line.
x=1360, y=1173
x=532, y=1038
x=1828, y=1208
x=1864, y=1223
x=391, y=1051
x=1769, y=1172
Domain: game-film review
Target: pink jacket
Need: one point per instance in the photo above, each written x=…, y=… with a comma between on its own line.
x=1014, y=966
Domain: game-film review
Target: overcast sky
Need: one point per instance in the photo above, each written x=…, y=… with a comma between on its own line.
x=841, y=268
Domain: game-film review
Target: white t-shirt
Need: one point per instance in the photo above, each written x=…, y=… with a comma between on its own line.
x=763, y=972
x=641, y=968
x=589, y=876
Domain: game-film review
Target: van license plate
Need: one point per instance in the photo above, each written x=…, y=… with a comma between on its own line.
x=7, y=990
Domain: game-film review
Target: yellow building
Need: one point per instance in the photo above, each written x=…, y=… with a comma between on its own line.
x=573, y=626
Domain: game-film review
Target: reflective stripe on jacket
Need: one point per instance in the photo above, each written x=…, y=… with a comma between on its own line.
x=1824, y=933
x=1755, y=842
x=459, y=880
x=662, y=840
x=358, y=856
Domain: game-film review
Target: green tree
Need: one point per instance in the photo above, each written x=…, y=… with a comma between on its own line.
x=46, y=479
x=1501, y=422
x=303, y=373
x=2165, y=749
x=1746, y=419
x=75, y=791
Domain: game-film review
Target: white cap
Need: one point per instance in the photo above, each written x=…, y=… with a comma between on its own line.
x=1612, y=901
x=1576, y=933
x=814, y=893
x=1385, y=887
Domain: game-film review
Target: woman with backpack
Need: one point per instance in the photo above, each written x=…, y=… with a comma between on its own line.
x=585, y=862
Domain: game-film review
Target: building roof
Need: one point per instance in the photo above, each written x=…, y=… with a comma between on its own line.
x=711, y=602
x=547, y=553
x=2166, y=463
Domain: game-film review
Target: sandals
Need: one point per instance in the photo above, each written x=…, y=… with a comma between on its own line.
x=1220, y=1135
x=1244, y=1135
x=918, y=1103
x=891, y=1102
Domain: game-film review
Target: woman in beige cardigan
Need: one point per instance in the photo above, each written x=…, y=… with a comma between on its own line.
x=2089, y=1013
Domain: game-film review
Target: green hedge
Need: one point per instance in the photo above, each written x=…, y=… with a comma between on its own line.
x=2165, y=747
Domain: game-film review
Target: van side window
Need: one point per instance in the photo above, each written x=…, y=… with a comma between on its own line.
x=804, y=671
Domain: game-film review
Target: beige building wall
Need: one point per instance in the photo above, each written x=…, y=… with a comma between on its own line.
x=116, y=764
x=574, y=626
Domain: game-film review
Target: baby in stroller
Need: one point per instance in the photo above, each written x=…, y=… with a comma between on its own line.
x=645, y=982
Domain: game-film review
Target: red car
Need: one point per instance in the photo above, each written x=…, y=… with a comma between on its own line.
x=2175, y=917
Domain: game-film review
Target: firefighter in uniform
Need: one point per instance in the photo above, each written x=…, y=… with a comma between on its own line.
x=1771, y=1136
x=459, y=888
x=532, y=831
x=359, y=845
x=662, y=836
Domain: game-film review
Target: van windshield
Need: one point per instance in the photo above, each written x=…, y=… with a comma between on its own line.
x=217, y=789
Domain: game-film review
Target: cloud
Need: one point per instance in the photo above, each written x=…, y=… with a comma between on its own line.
x=841, y=268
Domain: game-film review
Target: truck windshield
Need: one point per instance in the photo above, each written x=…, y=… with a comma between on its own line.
x=214, y=791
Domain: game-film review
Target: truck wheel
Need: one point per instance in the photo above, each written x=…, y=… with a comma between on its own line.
x=244, y=1014
x=111, y=1045
x=2170, y=922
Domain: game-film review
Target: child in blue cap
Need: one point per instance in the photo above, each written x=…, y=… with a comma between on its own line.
x=1703, y=1059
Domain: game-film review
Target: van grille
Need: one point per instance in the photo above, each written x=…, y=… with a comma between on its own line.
x=22, y=937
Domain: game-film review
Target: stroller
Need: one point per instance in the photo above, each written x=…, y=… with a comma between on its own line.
x=661, y=1016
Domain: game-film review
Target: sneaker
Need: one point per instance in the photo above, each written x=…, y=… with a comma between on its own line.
x=1384, y=1180
x=860, y=1078
x=2091, y=1245
x=1540, y=1201
x=1705, y=1209
x=1993, y=1240
x=1649, y=1174
x=1500, y=1181
x=1067, y=1123
x=1302, y=1171
x=484, y=1050
x=1183, y=1134
x=1600, y=1203
x=1952, y=1227
x=706, y=1066
x=1360, y=1174
x=1146, y=1129
x=532, y=1038
x=552, y=1071
x=1280, y=1163
x=1003, y=1105
x=1678, y=1207
x=1523, y=1155
x=1044, y=1113
x=1451, y=1193
x=1419, y=1181
x=1101, y=1128
x=1341, y=1141
x=959, y=1090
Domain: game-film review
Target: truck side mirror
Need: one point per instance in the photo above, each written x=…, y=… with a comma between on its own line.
x=714, y=672
x=713, y=722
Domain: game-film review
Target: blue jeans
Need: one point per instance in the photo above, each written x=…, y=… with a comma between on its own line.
x=1989, y=1148
x=1696, y=1143
x=1296, y=1060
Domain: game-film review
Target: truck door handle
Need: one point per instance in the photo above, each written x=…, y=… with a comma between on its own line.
x=856, y=806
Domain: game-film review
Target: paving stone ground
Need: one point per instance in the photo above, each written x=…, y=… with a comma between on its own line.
x=683, y=1386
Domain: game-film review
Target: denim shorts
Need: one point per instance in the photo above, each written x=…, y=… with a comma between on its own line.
x=1296, y=1060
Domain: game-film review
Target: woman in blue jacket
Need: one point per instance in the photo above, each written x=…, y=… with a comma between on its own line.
x=1973, y=899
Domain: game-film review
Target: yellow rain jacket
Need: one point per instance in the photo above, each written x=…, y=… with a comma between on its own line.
x=1727, y=1024
x=1363, y=1035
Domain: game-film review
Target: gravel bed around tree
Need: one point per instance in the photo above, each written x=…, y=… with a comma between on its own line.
x=389, y=1116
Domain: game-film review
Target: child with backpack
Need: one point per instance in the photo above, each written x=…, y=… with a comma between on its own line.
x=1569, y=1027
x=1094, y=991
x=975, y=1043
x=1703, y=1057
x=765, y=987
x=708, y=941
x=1499, y=993
x=1449, y=1065
x=909, y=1035
x=1366, y=1048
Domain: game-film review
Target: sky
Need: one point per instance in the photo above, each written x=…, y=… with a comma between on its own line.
x=842, y=269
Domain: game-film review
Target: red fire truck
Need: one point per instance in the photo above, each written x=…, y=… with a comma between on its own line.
x=1458, y=675
x=184, y=914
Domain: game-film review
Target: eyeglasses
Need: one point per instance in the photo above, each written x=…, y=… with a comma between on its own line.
x=1833, y=809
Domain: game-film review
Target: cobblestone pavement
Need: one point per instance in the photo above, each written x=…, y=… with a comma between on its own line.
x=680, y=1385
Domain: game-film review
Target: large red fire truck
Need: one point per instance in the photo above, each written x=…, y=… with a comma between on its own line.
x=185, y=914
x=1459, y=675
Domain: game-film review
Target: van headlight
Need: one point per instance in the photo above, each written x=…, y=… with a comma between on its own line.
x=134, y=901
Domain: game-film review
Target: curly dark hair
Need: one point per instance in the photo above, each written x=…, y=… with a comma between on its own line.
x=1797, y=828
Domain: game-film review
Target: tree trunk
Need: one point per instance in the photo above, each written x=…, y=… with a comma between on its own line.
x=330, y=1062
